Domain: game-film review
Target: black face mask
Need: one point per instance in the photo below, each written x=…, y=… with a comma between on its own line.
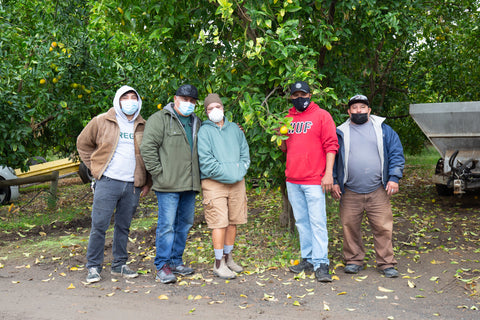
x=300, y=103
x=359, y=118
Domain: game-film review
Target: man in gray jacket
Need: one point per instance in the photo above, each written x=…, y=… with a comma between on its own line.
x=169, y=150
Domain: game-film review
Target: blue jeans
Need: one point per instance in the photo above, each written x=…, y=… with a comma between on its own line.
x=111, y=195
x=308, y=204
x=175, y=218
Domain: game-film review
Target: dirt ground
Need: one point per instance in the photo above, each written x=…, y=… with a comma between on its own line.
x=437, y=246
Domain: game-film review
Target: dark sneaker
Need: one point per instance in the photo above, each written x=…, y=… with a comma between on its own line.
x=322, y=274
x=390, y=272
x=352, y=268
x=182, y=270
x=93, y=275
x=165, y=275
x=124, y=271
x=302, y=266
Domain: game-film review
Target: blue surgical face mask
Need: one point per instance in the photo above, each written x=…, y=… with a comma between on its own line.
x=129, y=107
x=186, y=108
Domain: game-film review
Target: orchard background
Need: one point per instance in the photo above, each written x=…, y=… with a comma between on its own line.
x=62, y=62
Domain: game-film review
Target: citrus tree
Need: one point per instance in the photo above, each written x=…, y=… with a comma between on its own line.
x=63, y=61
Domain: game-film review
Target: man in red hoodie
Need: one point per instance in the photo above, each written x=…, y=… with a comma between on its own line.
x=311, y=147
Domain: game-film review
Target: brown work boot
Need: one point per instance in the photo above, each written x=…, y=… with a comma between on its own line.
x=231, y=264
x=222, y=270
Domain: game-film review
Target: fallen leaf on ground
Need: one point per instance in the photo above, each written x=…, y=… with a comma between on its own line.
x=71, y=286
x=326, y=307
x=382, y=289
x=361, y=278
x=162, y=297
x=381, y=297
x=268, y=297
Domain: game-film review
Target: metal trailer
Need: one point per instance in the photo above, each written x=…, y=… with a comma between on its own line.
x=454, y=130
x=65, y=168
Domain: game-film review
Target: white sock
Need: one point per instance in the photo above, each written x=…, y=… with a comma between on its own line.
x=218, y=254
x=227, y=249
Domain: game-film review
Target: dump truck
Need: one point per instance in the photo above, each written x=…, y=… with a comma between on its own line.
x=453, y=128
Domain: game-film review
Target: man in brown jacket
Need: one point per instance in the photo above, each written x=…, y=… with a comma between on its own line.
x=110, y=147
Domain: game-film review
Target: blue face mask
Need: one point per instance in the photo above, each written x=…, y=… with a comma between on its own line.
x=129, y=107
x=186, y=108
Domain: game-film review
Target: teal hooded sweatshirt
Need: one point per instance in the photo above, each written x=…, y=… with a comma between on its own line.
x=223, y=152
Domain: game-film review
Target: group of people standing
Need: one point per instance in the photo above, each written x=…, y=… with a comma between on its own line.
x=177, y=155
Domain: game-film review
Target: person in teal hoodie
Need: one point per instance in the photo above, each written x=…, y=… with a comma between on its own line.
x=224, y=159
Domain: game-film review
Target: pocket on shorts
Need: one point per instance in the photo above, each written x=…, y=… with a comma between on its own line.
x=207, y=204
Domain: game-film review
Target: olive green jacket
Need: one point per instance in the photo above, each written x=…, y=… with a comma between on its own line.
x=167, y=154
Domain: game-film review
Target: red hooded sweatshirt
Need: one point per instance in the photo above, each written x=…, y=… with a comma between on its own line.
x=312, y=137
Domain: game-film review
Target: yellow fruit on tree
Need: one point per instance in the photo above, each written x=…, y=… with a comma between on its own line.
x=284, y=130
x=55, y=80
x=54, y=44
x=43, y=81
x=159, y=106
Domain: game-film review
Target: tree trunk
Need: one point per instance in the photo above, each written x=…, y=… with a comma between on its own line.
x=286, y=216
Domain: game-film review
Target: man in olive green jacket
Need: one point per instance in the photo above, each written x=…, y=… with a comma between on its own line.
x=169, y=150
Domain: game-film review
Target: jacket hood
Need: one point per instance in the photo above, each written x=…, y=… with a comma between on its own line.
x=116, y=102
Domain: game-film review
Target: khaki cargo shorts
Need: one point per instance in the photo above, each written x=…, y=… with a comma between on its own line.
x=224, y=204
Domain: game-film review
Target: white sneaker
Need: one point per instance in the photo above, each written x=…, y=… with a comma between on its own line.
x=223, y=271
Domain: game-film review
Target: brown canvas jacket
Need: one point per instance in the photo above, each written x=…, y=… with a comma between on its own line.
x=97, y=142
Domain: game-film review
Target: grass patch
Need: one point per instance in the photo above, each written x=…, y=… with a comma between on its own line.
x=25, y=221
x=427, y=158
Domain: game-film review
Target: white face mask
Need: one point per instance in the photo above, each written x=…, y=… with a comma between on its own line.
x=186, y=108
x=129, y=107
x=216, y=115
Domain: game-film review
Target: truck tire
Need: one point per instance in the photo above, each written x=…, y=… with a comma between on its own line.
x=442, y=189
x=5, y=193
x=8, y=194
x=84, y=173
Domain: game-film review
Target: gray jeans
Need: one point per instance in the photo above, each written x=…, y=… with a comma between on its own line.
x=111, y=196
